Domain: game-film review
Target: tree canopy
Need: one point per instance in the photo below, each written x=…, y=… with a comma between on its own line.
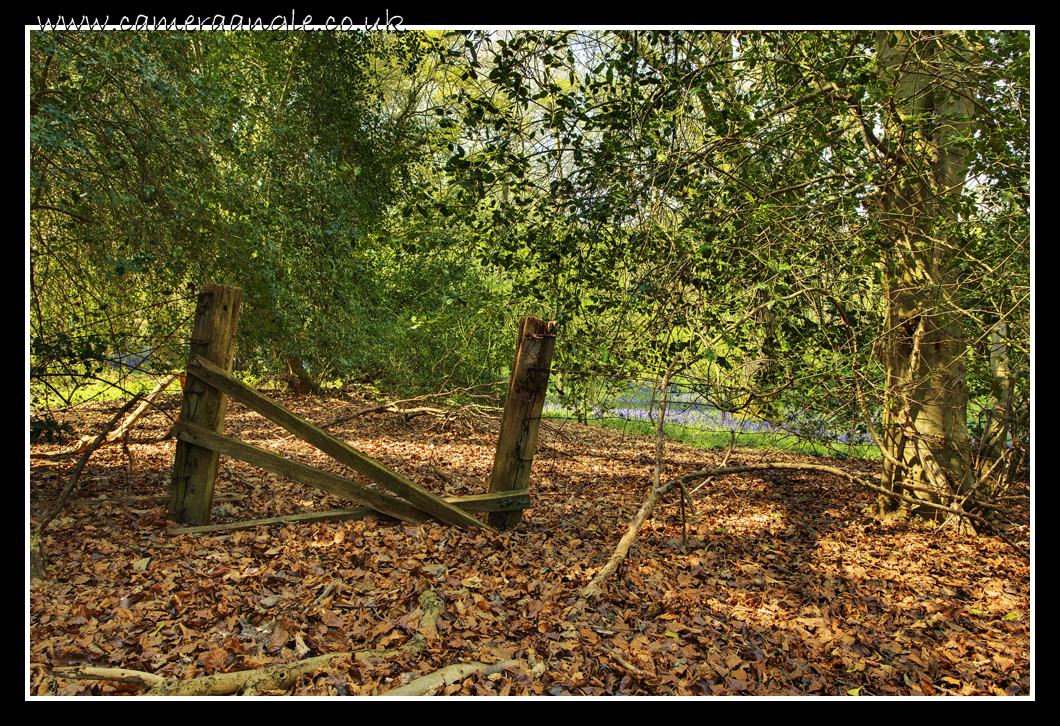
x=272, y=161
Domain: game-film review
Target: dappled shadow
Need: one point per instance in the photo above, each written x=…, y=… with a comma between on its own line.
x=781, y=588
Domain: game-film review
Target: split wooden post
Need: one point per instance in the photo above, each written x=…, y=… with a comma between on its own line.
x=522, y=414
x=194, y=467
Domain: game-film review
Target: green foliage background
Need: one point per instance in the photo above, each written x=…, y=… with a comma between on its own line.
x=391, y=203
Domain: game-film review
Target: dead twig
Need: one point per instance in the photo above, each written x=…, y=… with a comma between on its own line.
x=595, y=587
x=37, y=560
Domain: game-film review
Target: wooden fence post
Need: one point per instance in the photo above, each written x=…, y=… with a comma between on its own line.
x=194, y=467
x=522, y=414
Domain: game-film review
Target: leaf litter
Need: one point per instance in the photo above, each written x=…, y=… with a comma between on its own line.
x=777, y=586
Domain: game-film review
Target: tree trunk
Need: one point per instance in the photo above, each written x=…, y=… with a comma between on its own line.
x=996, y=426
x=926, y=397
x=298, y=378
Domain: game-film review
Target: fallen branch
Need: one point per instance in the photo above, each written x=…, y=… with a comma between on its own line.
x=36, y=542
x=470, y=410
x=433, y=682
x=122, y=431
x=595, y=586
x=272, y=678
x=277, y=677
x=387, y=408
x=724, y=462
x=627, y=666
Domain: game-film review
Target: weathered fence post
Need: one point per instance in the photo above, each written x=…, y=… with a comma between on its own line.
x=195, y=468
x=522, y=414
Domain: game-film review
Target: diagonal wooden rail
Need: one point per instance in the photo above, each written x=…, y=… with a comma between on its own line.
x=331, y=483
x=413, y=493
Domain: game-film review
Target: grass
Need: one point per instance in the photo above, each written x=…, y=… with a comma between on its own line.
x=105, y=386
x=686, y=421
x=700, y=426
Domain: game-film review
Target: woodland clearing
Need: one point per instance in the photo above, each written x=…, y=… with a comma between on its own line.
x=777, y=585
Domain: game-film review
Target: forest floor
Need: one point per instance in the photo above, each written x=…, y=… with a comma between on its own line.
x=781, y=587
